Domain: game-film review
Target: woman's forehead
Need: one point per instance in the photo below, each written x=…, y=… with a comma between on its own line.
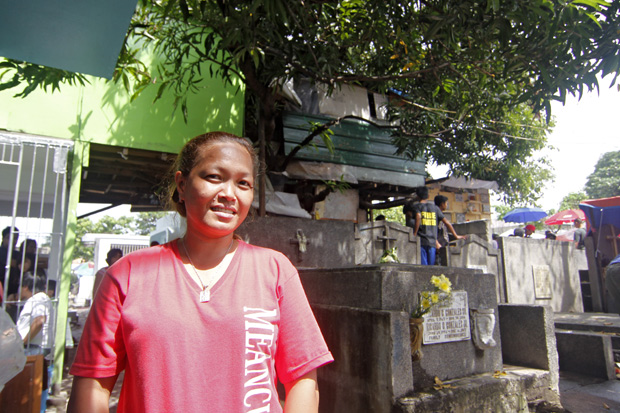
x=225, y=152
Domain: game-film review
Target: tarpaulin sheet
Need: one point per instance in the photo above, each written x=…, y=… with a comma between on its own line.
x=604, y=211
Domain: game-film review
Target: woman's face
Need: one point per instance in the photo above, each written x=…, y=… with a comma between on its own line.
x=218, y=192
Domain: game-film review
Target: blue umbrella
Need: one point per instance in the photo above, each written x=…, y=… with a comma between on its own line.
x=524, y=215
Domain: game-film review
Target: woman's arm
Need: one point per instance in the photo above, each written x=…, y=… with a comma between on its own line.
x=302, y=395
x=91, y=394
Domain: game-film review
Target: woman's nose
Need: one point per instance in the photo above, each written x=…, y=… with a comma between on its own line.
x=227, y=190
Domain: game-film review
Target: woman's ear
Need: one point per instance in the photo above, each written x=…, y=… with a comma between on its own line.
x=179, y=179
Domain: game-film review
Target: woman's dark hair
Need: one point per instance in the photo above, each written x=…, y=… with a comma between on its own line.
x=189, y=155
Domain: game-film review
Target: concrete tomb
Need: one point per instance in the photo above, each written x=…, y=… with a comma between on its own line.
x=364, y=314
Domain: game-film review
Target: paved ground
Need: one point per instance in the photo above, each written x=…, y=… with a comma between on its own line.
x=580, y=394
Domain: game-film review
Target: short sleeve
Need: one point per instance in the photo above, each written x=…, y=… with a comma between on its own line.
x=101, y=351
x=301, y=347
x=440, y=215
x=40, y=309
x=416, y=208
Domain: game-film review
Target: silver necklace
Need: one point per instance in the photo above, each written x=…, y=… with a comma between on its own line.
x=205, y=293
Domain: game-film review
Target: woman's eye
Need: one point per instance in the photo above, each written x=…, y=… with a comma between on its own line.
x=212, y=177
x=245, y=184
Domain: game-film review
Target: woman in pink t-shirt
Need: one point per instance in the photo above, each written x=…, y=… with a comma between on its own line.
x=206, y=322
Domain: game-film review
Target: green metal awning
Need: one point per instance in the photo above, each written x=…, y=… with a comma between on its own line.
x=83, y=36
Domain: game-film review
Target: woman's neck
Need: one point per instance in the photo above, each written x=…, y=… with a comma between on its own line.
x=206, y=253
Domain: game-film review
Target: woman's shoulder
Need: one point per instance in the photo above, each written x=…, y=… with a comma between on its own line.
x=262, y=252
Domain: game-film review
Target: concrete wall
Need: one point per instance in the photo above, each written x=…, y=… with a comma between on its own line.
x=329, y=243
x=597, y=361
x=372, y=355
x=372, y=238
x=481, y=228
x=528, y=335
x=559, y=263
x=475, y=252
x=102, y=112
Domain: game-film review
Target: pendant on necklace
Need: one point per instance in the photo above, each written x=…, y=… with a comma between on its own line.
x=205, y=296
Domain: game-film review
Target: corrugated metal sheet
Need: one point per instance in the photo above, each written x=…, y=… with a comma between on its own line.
x=83, y=36
x=356, y=143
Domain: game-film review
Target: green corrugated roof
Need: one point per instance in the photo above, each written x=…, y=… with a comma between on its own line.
x=357, y=143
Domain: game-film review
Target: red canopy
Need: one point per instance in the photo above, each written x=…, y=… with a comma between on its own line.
x=565, y=217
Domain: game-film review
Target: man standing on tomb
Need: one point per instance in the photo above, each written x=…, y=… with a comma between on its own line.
x=580, y=234
x=443, y=226
x=423, y=218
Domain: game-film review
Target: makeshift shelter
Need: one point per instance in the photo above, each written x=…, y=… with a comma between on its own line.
x=602, y=243
x=603, y=220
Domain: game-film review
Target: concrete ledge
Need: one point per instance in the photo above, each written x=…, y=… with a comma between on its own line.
x=586, y=353
x=512, y=392
x=594, y=322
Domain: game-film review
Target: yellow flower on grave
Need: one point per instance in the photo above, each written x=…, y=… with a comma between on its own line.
x=442, y=282
x=442, y=291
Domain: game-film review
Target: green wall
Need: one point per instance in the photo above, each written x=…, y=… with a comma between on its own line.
x=101, y=112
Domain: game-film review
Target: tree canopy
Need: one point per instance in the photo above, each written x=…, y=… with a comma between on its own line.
x=142, y=224
x=471, y=81
x=604, y=182
x=572, y=200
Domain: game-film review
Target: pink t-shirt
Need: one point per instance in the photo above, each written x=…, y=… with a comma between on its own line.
x=183, y=355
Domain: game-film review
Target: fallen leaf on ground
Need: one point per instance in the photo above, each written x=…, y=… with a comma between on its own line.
x=440, y=384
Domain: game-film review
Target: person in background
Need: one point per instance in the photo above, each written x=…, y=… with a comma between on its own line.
x=114, y=255
x=17, y=274
x=443, y=226
x=6, y=251
x=550, y=235
x=529, y=230
x=29, y=245
x=518, y=232
x=204, y=323
x=6, y=235
x=380, y=217
x=33, y=324
x=423, y=217
x=612, y=280
x=494, y=240
x=579, y=235
x=33, y=321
